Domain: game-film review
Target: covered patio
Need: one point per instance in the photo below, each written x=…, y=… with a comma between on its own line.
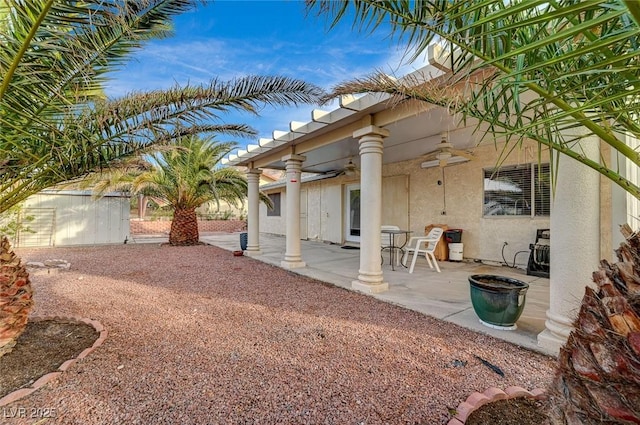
x=373, y=165
x=442, y=295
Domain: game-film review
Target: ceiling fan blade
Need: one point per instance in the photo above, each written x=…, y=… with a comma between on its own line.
x=431, y=155
x=463, y=154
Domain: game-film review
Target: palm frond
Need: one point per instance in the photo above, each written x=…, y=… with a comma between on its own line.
x=185, y=177
x=55, y=123
x=577, y=60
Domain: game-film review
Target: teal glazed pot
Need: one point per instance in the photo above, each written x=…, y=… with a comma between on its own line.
x=497, y=300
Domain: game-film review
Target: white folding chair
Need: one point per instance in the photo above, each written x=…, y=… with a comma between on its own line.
x=423, y=245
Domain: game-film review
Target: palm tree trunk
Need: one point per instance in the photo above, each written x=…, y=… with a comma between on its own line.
x=184, y=227
x=598, y=377
x=142, y=206
x=15, y=297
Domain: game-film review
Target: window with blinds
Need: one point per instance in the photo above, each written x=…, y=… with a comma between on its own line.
x=522, y=190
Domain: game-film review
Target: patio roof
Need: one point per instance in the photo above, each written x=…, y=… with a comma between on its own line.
x=305, y=179
x=327, y=139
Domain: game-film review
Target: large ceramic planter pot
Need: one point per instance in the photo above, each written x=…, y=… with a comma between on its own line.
x=497, y=300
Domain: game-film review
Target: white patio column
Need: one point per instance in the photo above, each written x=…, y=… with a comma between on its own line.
x=370, y=277
x=575, y=243
x=292, y=256
x=253, y=214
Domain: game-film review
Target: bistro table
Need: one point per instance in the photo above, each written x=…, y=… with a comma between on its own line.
x=392, y=247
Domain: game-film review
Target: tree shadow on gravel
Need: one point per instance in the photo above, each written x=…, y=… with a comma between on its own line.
x=42, y=348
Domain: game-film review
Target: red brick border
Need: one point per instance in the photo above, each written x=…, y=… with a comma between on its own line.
x=476, y=400
x=43, y=380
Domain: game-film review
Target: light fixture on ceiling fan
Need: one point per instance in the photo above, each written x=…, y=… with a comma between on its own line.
x=445, y=155
x=350, y=169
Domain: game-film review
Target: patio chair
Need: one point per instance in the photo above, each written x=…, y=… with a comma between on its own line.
x=423, y=245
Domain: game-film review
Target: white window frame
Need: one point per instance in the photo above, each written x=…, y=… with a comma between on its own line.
x=500, y=197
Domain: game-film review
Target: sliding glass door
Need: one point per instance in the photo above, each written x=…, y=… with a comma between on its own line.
x=352, y=213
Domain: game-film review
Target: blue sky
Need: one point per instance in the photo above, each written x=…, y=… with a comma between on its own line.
x=228, y=39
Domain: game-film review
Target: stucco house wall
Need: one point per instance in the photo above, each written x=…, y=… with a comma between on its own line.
x=459, y=197
x=273, y=224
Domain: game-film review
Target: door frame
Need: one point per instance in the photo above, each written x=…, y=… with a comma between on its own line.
x=348, y=236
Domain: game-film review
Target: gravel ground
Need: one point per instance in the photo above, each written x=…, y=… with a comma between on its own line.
x=197, y=336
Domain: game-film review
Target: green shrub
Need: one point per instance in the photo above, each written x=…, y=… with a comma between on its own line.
x=13, y=221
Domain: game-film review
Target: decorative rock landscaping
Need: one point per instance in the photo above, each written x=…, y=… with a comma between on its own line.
x=43, y=380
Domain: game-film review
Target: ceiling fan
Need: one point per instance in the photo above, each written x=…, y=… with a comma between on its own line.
x=445, y=154
x=350, y=169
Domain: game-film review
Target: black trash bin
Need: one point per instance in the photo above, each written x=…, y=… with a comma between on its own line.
x=243, y=241
x=453, y=235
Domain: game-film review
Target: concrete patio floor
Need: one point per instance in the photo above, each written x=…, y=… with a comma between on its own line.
x=441, y=295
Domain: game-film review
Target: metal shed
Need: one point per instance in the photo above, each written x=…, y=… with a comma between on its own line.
x=73, y=217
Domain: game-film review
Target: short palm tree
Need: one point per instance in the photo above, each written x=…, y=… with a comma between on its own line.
x=539, y=69
x=185, y=176
x=55, y=123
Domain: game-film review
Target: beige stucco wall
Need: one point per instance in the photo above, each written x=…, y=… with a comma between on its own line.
x=483, y=237
x=271, y=224
x=613, y=211
x=458, y=203
x=320, y=213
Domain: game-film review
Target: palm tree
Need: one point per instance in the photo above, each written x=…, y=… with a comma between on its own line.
x=52, y=62
x=185, y=177
x=598, y=378
x=537, y=70
x=55, y=124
